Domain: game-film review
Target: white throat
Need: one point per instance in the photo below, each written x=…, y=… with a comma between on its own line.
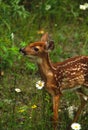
x=39, y=60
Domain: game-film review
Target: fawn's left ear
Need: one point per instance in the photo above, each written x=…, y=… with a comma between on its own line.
x=50, y=45
x=45, y=37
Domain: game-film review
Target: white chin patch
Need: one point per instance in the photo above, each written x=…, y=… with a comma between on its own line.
x=39, y=60
x=30, y=56
x=34, y=59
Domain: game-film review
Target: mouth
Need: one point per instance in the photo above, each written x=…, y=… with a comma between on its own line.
x=31, y=57
x=22, y=51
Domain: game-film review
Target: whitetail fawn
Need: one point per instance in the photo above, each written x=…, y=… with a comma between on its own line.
x=70, y=74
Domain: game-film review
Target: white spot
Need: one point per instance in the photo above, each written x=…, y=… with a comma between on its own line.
x=17, y=90
x=85, y=98
x=39, y=60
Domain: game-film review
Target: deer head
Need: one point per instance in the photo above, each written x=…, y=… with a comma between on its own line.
x=37, y=50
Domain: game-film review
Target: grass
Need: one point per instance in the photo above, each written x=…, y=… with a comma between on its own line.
x=16, y=112
x=30, y=109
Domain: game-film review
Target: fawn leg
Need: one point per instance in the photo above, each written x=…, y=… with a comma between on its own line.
x=56, y=100
x=84, y=99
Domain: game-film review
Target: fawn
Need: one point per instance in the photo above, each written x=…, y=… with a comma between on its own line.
x=58, y=77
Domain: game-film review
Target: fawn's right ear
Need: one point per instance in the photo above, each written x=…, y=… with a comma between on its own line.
x=45, y=37
x=50, y=45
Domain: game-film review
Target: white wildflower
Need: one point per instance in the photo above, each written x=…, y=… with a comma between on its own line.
x=85, y=98
x=76, y=126
x=40, y=84
x=47, y=7
x=71, y=112
x=84, y=7
x=55, y=25
x=17, y=90
x=12, y=36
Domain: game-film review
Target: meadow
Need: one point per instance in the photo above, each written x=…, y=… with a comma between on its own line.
x=22, y=105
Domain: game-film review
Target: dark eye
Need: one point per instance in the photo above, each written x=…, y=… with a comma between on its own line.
x=36, y=49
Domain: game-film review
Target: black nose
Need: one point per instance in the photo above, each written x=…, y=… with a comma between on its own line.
x=21, y=50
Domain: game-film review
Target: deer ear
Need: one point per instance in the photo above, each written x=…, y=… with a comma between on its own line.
x=45, y=37
x=50, y=45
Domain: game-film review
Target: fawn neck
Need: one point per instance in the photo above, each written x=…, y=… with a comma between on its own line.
x=45, y=67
